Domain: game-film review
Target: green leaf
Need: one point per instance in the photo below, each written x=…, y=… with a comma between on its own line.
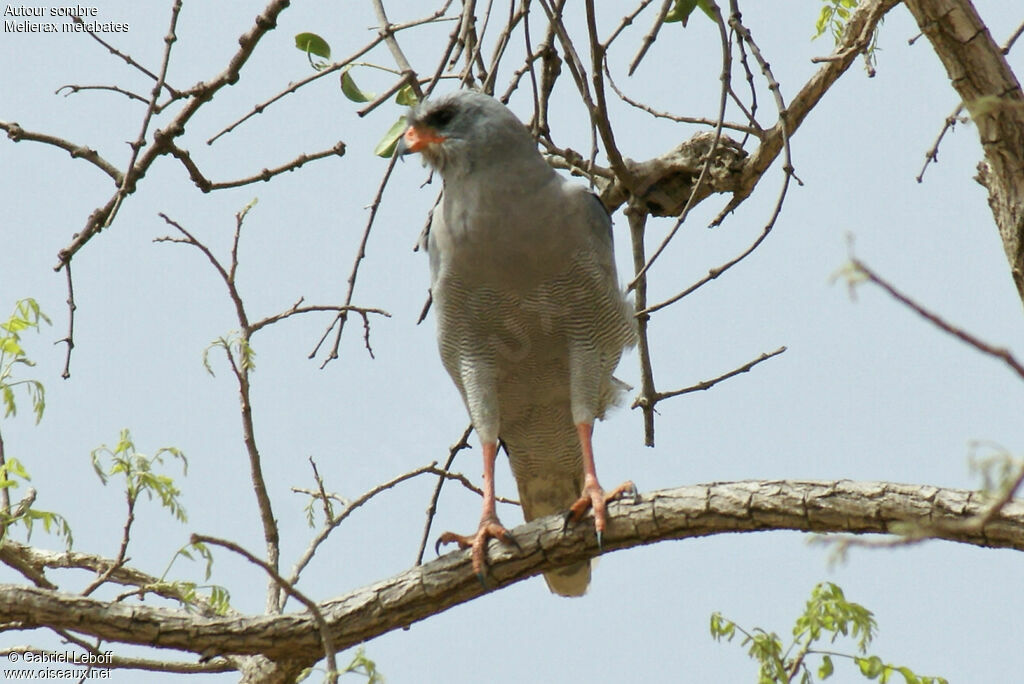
x=406, y=96
x=10, y=408
x=351, y=90
x=870, y=667
x=386, y=147
x=684, y=8
x=826, y=669
x=310, y=43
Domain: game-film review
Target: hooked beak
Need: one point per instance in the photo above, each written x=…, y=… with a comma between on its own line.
x=416, y=138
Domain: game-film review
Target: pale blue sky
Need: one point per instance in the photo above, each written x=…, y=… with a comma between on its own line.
x=866, y=391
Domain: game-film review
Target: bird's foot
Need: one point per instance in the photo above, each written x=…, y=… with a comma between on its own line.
x=490, y=528
x=593, y=497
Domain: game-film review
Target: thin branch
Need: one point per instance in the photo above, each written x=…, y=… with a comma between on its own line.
x=16, y=133
x=265, y=175
x=651, y=36
x=332, y=523
x=69, y=339
x=387, y=30
x=626, y=21
x=72, y=89
x=725, y=76
x=713, y=273
x=932, y=155
x=861, y=270
x=128, y=59
x=122, y=552
x=328, y=69
x=703, y=121
x=708, y=384
x=198, y=96
x=289, y=588
x=600, y=118
x=127, y=184
x=463, y=443
x=637, y=217
x=342, y=316
x=240, y=369
x=296, y=310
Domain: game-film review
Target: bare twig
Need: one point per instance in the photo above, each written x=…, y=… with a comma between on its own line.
x=128, y=59
x=289, y=588
x=329, y=69
x=240, y=368
x=342, y=316
x=652, y=35
x=387, y=30
x=16, y=133
x=725, y=77
x=932, y=155
x=703, y=121
x=296, y=309
x=331, y=523
x=712, y=274
x=69, y=339
x=265, y=175
x=122, y=551
x=463, y=443
x=72, y=89
x=626, y=21
x=708, y=384
x=127, y=184
x=198, y=96
x=637, y=217
x=860, y=270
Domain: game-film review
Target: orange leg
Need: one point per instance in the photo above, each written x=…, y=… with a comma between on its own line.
x=490, y=527
x=593, y=497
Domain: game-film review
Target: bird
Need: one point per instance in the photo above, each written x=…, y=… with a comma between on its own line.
x=531, y=319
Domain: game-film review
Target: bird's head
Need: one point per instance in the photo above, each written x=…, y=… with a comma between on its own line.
x=465, y=130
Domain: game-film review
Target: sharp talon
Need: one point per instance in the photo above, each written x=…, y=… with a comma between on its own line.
x=565, y=522
x=437, y=547
x=483, y=582
x=600, y=537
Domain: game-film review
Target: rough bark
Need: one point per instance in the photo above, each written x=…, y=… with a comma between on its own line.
x=990, y=91
x=292, y=640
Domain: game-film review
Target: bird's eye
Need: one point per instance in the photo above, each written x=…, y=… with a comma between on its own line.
x=441, y=118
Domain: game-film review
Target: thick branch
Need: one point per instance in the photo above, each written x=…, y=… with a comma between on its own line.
x=990, y=91
x=856, y=38
x=417, y=593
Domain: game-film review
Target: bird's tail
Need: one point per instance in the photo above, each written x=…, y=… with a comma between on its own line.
x=548, y=495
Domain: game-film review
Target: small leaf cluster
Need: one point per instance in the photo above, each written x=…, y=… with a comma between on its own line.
x=26, y=316
x=828, y=614
x=360, y=665
x=139, y=474
x=314, y=45
x=235, y=346
x=833, y=17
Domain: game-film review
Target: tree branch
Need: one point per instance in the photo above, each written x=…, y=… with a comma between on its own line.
x=990, y=91
x=694, y=511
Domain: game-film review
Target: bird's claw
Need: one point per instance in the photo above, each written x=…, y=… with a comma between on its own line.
x=593, y=497
x=490, y=528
